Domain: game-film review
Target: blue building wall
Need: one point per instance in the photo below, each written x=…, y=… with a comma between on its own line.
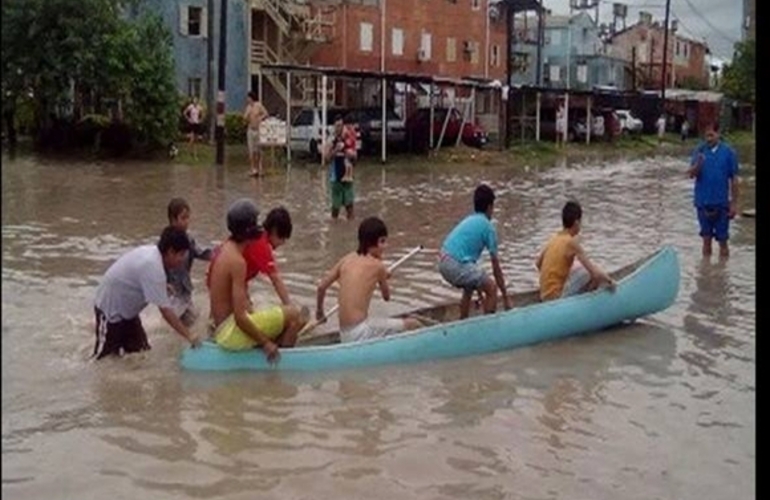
x=191, y=52
x=575, y=42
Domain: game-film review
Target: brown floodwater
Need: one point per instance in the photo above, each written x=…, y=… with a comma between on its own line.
x=661, y=409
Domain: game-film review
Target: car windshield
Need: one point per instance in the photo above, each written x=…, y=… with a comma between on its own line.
x=375, y=113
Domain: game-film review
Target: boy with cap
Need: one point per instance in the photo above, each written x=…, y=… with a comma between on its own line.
x=236, y=326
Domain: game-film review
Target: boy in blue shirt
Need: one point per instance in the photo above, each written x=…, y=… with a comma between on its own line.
x=461, y=251
x=714, y=166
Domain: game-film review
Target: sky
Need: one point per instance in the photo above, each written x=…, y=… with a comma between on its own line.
x=716, y=21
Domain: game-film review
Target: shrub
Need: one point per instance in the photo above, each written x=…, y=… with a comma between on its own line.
x=235, y=129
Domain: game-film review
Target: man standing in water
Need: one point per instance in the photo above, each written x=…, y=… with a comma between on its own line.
x=134, y=280
x=714, y=166
x=254, y=114
x=341, y=150
x=193, y=113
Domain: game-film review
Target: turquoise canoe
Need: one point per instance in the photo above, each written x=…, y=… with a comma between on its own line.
x=644, y=287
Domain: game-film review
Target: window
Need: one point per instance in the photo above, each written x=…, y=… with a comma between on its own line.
x=474, y=48
x=495, y=57
x=397, y=41
x=425, y=45
x=685, y=49
x=555, y=73
x=642, y=52
x=475, y=4
x=582, y=73
x=304, y=118
x=451, y=49
x=194, y=87
x=555, y=37
x=193, y=21
x=366, y=37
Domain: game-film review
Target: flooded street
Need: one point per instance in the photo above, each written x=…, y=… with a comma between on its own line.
x=661, y=409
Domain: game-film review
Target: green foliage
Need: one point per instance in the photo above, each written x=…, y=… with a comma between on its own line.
x=738, y=78
x=235, y=128
x=151, y=105
x=79, y=57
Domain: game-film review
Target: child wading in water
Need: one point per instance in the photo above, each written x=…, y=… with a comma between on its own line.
x=345, y=151
x=179, y=283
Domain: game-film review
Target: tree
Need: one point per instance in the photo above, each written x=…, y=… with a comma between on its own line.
x=76, y=57
x=738, y=77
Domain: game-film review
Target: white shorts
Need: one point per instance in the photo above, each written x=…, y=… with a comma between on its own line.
x=372, y=328
x=252, y=140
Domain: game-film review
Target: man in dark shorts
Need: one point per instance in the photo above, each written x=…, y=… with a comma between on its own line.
x=714, y=166
x=336, y=152
x=134, y=280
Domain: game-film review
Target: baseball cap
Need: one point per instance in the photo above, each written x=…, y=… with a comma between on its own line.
x=242, y=220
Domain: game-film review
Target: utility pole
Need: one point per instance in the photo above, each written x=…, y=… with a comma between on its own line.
x=665, y=56
x=540, y=29
x=220, y=130
x=210, y=97
x=509, y=12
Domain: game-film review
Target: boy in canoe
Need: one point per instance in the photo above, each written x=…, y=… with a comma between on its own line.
x=237, y=327
x=461, y=251
x=358, y=274
x=557, y=277
x=258, y=253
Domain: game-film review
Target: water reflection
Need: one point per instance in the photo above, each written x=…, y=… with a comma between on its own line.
x=574, y=419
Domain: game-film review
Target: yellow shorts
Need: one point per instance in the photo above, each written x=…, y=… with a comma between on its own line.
x=270, y=321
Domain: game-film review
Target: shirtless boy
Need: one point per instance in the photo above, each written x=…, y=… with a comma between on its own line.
x=557, y=277
x=254, y=114
x=358, y=274
x=258, y=252
x=236, y=326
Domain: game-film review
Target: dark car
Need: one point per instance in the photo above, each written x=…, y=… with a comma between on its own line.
x=418, y=129
x=369, y=121
x=548, y=126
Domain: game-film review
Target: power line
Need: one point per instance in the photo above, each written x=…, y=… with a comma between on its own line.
x=697, y=36
x=708, y=23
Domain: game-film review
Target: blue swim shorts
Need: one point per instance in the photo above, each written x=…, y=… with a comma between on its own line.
x=714, y=221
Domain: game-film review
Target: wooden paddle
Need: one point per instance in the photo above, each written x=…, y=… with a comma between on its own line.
x=312, y=324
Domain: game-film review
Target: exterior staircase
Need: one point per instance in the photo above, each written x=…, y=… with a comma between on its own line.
x=305, y=28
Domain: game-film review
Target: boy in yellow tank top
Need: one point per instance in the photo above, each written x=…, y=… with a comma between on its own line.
x=557, y=277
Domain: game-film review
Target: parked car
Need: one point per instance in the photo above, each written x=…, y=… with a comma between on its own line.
x=418, y=129
x=629, y=124
x=369, y=121
x=306, y=130
x=548, y=126
x=597, y=128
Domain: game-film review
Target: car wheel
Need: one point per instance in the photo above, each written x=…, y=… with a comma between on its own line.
x=315, y=154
